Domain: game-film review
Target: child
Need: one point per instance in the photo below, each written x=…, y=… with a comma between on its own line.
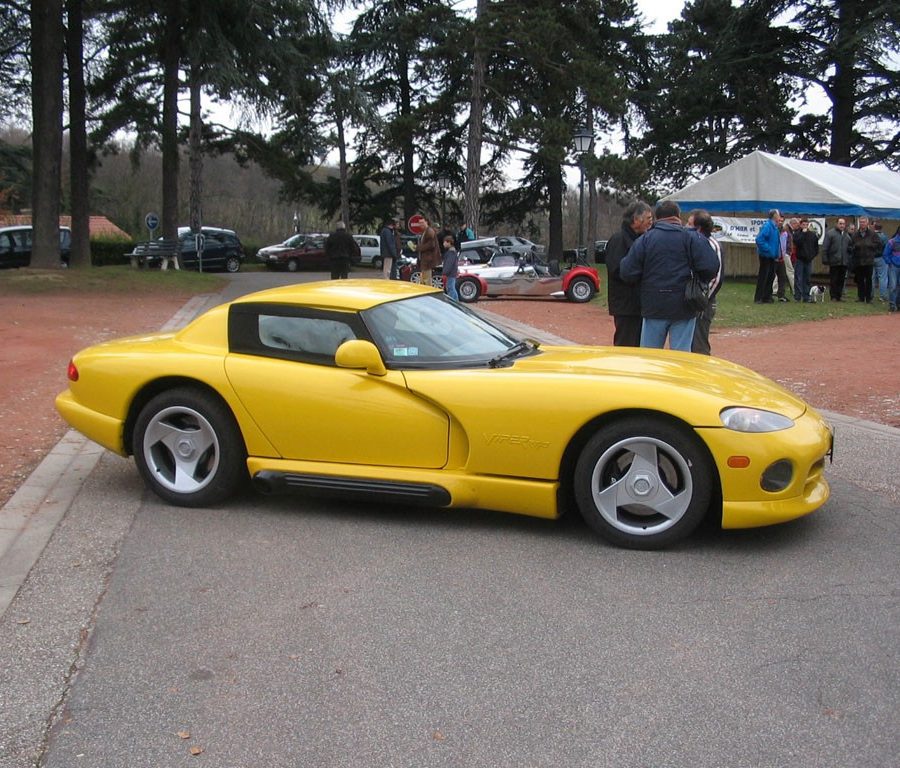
x=450, y=268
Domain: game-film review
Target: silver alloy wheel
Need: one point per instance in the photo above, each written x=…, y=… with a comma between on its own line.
x=468, y=290
x=581, y=290
x=292, y=265
x=181, y=449
x=232, y=264
x=642, y=486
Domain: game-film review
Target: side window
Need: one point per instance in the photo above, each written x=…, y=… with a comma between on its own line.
x=5, y=243
x=313, y=338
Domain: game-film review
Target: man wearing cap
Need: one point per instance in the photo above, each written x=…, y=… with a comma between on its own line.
x=387, y=243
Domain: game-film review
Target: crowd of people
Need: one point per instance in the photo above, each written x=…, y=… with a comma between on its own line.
x=650, y=262
x=862, y=251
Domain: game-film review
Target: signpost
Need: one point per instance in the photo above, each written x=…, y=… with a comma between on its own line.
x=417, y=224
x=152, y=222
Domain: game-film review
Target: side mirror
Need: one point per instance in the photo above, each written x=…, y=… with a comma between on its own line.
x=360, y=355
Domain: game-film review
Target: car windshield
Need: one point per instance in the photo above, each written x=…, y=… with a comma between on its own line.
x=293, y=242
x=434, y=332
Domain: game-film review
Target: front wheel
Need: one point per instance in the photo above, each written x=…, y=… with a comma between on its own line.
x=188, y=448
x=580, y=290
x=293, y=265
x=232, y=264
x=643, y=483
x=468, y=289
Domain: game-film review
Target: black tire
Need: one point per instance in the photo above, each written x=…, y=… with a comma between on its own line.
x=188, y=448
x=644, y=483
x=293, y=265
x=378, y=263
x=232, y=264
x=580, y=290
x=469, y=289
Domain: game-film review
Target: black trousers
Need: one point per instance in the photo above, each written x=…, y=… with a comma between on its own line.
x=340, y=269
x=628, y=330
x=764, y=280
x=837, y=274
x=863, y=278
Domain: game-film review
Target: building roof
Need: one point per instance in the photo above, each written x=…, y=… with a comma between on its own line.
x=99, y=226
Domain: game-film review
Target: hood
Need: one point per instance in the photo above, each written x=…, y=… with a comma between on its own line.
x=712, y=377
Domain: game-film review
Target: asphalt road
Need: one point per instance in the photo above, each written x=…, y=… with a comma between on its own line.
x=287, y=632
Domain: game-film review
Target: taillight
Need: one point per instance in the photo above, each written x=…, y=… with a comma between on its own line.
x=72, y=371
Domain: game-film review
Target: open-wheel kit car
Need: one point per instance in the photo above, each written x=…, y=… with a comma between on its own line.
x=507, y=274
x=377, y=390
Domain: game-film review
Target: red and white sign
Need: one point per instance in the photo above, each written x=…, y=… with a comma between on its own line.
x=417, y=224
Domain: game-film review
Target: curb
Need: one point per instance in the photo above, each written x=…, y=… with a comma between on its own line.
x=29, y=518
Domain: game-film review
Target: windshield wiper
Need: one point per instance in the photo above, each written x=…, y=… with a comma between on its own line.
x=514, y=351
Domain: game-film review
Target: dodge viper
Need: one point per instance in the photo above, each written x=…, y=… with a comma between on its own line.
x=388, y=391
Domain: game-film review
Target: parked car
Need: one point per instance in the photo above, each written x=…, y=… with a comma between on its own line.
x=370, y=250
x=516, y=244
x=16, y=244
x=297, y=388
x=600, y=251
x=222, y=249
x=303, y=251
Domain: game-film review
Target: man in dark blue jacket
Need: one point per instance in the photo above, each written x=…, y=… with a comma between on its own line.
x=662, y=261
x=768, y=248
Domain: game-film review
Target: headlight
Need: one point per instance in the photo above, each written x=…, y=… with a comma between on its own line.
x=754, y=420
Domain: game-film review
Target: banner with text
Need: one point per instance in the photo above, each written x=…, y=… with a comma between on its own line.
x=734, y=230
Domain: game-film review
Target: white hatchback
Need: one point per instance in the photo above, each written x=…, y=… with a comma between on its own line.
x=370, y=250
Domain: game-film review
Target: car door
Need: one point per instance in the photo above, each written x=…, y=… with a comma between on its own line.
x=281, y=366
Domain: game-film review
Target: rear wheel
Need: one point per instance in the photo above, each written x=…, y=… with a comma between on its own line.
x=580, y=290
x=232, y=264
x=378, y=263
x=643, y=483
x=468, y=289
x=188, y=448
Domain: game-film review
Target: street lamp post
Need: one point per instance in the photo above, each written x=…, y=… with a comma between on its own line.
x=583, y=139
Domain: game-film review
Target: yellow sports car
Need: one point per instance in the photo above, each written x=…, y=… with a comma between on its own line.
x=387, y=391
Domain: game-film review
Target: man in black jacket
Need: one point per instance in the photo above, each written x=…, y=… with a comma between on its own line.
x=807, y=245
x=341, y=249
x=624, y=299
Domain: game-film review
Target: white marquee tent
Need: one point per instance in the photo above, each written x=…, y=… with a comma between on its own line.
x=762, y=181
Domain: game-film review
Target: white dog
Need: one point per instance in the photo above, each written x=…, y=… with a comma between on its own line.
x=817, y=293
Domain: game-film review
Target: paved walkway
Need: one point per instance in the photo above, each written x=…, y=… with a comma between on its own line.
x=30, y=517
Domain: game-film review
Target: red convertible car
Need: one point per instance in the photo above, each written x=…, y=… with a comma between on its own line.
x=508, y=275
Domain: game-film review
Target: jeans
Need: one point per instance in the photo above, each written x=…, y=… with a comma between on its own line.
x=881, y=275
x=680, y=333
x=802, y=275
x=893, y=280
x=450, y=288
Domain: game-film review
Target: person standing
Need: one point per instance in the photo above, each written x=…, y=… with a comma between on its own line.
x=768, y=249
x=702, y=222
x=340, y=250
x=387, y=248
x=891, y=256
x=836, y=256
x=865, y=245
x=806, y=245
x=784, y=264
x=450, y=268
x=662, y=260
x=879, y=269
x=624, y=299
x=429, y=251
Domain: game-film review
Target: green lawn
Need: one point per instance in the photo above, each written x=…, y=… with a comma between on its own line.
x=735, y=307
x=124, y=279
